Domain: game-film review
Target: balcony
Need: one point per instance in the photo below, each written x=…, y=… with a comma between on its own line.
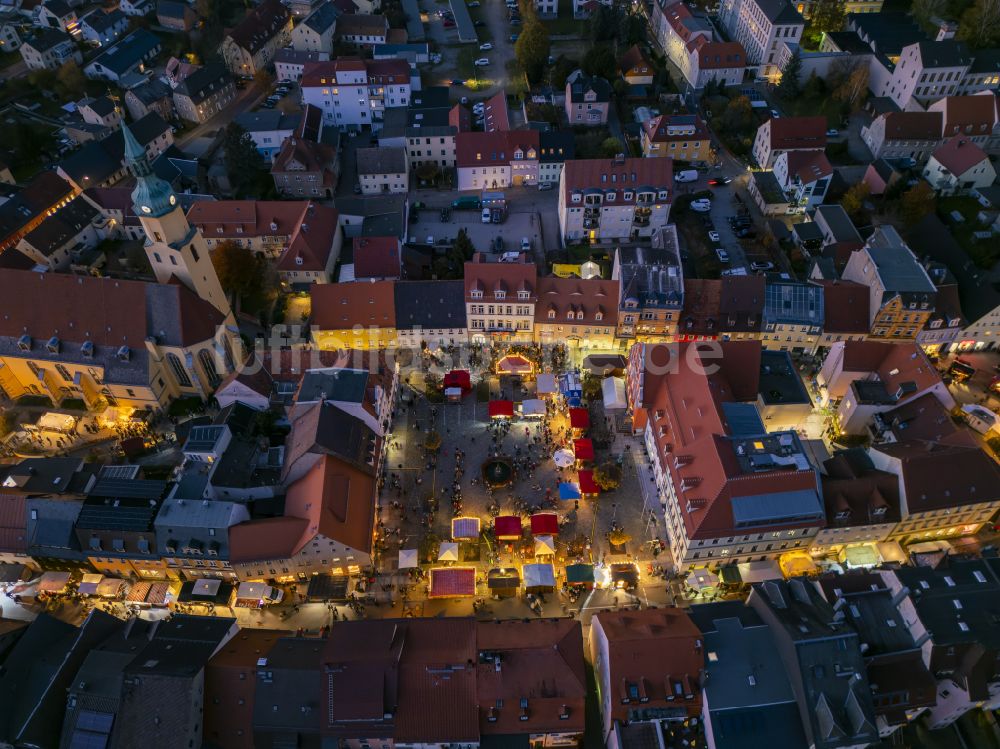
x=638, y=220
x=592, y=212
x=590, y=223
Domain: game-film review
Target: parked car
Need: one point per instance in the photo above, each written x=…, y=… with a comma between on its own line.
x=713, y=236
x=486, y=215
x=448, y=23
x=482, y=62
x=703, y=205
x=832, y=132
x=686, y=175
x=543, y=186
x=761, y=266
x=498, y=244
x=497, y=216
x=479, y=24
x=466, y=202
x=722, y=255
x=474, y=4
x=486, y=46
x=513, y=38
x=775, y=114
x=525, y=244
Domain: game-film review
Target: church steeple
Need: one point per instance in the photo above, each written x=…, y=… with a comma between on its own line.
x=152, y=196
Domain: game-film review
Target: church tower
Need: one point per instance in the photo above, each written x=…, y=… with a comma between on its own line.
x=174, y=247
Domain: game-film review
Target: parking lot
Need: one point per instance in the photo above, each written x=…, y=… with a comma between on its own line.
x=512, y=230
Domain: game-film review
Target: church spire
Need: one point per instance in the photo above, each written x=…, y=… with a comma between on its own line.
x=152, y=196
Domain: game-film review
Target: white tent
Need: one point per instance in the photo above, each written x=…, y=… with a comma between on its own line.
x=545, y=384
x=89, y=584
x=539, y=576
x=448, y=552
x=759, y=571
x=702, y=579
x=53, y=582
x=544, y=546
x=533, y=407
x=613, y=393
x=564, y=458
x=407, y=559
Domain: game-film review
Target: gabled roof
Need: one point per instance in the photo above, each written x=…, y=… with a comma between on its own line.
x=125, y=54
x=845, y=306
x=717, y=55
x=584, y=85
x=808, y=166
x=311, y=244
x=260, y=25
x=337, y=501
x=341, y=306
x=204, y=82
x=788, y=133
x=382, y=160
x=633, y=61
x=973, y=115
x=430, y=305
x=559, y=297
x=377, y=257
x=959, y=155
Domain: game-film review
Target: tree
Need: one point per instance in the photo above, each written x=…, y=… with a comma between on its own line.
x=924, y=10
x=428, y=171
x=917, y=202
x=827, y=15
x=738, y=114
x=631, y=27
x=854, y=199
x=608, y=476
x=611, y=147
x=243, y=162
x=980, y=24
x=600, y=61
x=789, y=87
x=561, y=70
x=71, y=80
x=8, y=420
x=815, y=88
x=463, y=247
x=532, y=49
x=604, y=23
x=854, y=88
x=617, y=536
x=240, y=271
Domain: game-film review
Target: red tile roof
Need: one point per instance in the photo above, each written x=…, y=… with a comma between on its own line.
x=666, y=128
x=540, y=660
x=634, y=63
x=495, y=115
x=629, y=174
x=230, y=687
x=376, y=257
x=967, y=115
x=13, y=522
x=260, y=25
x=508, y=278
x=789, y=133
x=912, y=126
x=333, y=72
x=808, y=166
x=246, y=219
x=584, y=298
x=311, y=243
x=495, y=148
x=337, y=501
x=340, y=306
x=845, y=306
x=958, y=155
x=717, y=55
x=266, y=539
x=650, y=654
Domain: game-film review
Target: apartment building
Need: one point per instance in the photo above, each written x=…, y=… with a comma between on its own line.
x=607, y=200
x=495, y=160
x=358, y=316
x=429, y=313
x=762, y=26
x=679, y=136
x=779, y=135
x=383, y=170
x=793, y=316
x=973, y=117
x=501, y=299
x=651, y=288
x=578, y=312
x=805, y=178
x=353, y=93
x=731, y=491
x=902, y=294
x=204, y=93
x=306, y=165
x=253, y=43
x=49, y=49
x=925, y=72
x=555, y=148
x=690, y=43
x=903, y=135
x=587, y=100
x=315, y=33
x=957, y=166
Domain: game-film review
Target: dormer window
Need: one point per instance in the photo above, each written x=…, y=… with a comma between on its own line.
x=610, y=197
x=499, y=294
x=627, y=196
x=570, y=315
x=552, y=314
x=599, y=316
x=524, y=295
x=576, y=197
x=663, y=194
x=476, y=294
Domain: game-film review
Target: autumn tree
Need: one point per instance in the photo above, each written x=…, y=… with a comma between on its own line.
x=827, y=15
x=532, y=49
x=980, y=24
x=608, y=476
x=917, y=202
x=854, y=199
x=790, y=86
x=925, y=10
x=852, y=85
x=70, y=80
x=243, y=161
x=241, y=272
x=738, y=114
x=600, y=61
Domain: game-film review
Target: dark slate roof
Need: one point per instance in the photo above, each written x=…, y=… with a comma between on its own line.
x=779, y=12
x=127, y=53
x=151, y=91
x=59, y=228
x=45, y=39
x=556, y=146
x=323, y=17
x=204, y=82
x=584, y=83
x=99, y=159
x=433, y=305
x=945, y=54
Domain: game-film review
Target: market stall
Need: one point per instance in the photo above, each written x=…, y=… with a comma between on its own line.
x=448, y=552
x=580, y=575
x=702, y=580
x=545, y=384
x=613, y=394
x=545, y=546
x=458, y=378
x=507, y=528
x=759, y=571
x=54, y=583
x=111, y=587
x=533, y=408
x=464, y=528
x=503, y=582
x=206, y=591
x=257, y=595
x=514, y=364
x=325, y=587
x=539, y=578
x=571, y=388
x=501, y=409
x=569, y=490
x=588, y=487
x=408, y=559
x=625, y=576
x=89, y=584
x=452, y=582
x=563, y=458
x=545, y=524
x=583, y=449
x=797, y=563
x=579, y=418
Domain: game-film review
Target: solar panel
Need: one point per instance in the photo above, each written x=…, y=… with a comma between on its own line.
x=86, y=740
x=124, y=472
x=91, y=720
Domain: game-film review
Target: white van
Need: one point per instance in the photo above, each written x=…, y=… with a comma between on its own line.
x=486, y=215
x=686, y=175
